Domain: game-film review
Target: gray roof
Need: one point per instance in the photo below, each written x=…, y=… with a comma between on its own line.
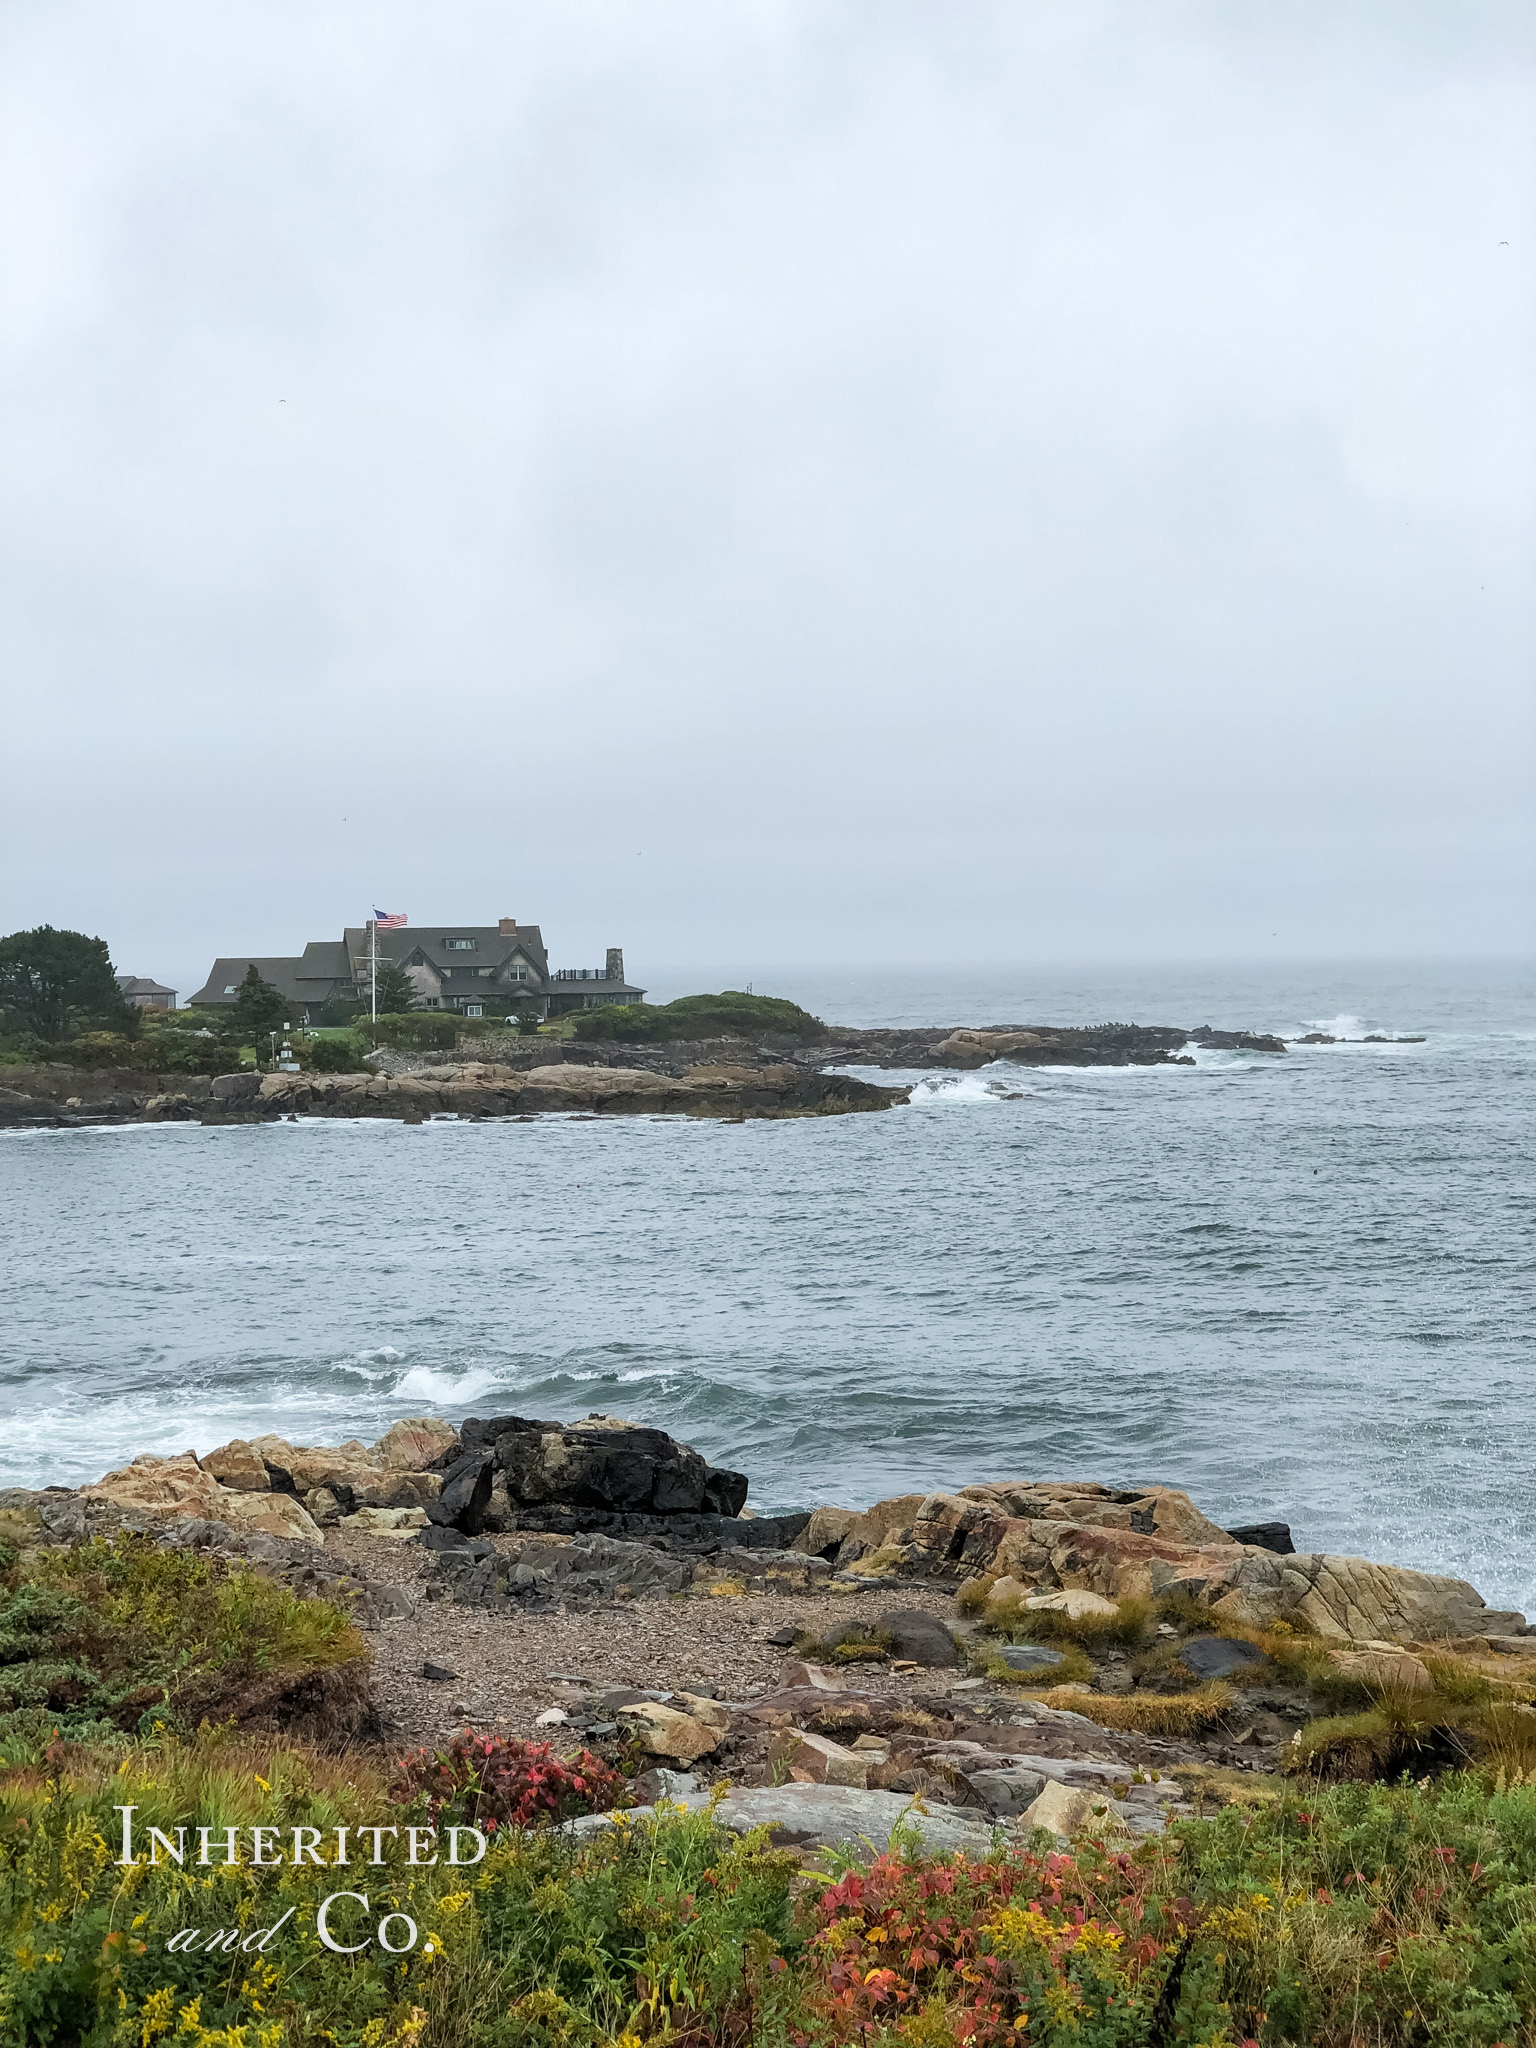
x=140, y=985
x=490, y=950
x=227, y=973
x=340, y=966
x=326, y=957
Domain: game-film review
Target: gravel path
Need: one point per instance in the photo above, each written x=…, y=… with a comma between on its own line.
x=509, y=1666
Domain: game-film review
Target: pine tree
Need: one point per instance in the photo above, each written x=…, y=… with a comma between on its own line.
x=54, y=982
x=258, y=1008
x=396, y=990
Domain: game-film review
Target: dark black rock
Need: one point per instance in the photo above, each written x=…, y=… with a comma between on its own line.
x=1028, y=1657
x=1275, y=1536
x=725, y=1493
x=479, y=1431
x=1218, y=1656
x=1236, y=1041
x=782, y=1638
x=917, y=1638
x=455, y=1540
x=686, y=1535
x=439, y=1673
x=466, y=1492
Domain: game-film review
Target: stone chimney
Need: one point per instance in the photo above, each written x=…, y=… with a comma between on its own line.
x=506, y=927
x=615, y=963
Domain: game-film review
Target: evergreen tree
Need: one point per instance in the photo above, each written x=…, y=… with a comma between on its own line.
x=257, y=1008
x=54, y=982
x=397, y=992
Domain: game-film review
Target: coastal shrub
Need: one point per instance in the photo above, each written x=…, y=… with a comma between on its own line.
x=418, y=1030
x=1047, y=1948
x=499, y=1781
x=731, y=1014
x=188, y=1052
x=117, y=1634
x=338, y=1055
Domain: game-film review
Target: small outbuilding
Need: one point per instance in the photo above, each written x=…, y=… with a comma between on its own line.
x=145, y=994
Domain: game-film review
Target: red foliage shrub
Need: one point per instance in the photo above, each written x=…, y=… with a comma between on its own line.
x=492, y=1781
x=996, y=1951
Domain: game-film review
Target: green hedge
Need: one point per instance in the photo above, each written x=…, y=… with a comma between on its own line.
x=730, y=1014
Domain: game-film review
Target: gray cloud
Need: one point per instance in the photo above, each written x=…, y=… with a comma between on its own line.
x=771, y=480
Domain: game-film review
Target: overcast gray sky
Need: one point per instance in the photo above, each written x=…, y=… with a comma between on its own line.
x=778, y=479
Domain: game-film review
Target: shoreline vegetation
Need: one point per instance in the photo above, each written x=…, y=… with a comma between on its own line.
x=1025, y=1762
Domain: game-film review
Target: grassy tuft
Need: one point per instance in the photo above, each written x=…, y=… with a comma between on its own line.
x=1179, y=1714
x=1126, y=1629
x=1074, y=1669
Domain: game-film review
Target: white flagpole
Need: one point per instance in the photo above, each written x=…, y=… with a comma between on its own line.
x=373, y=966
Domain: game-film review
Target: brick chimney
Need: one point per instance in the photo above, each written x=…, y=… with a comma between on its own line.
x=615, y=963
x=506, y=927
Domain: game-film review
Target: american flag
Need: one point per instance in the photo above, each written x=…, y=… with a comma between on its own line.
x=390, y=920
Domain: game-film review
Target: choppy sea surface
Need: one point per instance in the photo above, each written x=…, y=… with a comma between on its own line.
x=1299, y=1286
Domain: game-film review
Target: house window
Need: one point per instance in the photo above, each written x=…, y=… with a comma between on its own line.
x=459, y=945
x=474, y=1009
x=229, y=988
x=517, y=974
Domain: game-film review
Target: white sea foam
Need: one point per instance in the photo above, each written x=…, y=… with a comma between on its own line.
x=450, y=1386
x=1346, y=1026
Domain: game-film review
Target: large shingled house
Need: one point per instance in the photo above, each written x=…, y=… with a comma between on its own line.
x=477, y=970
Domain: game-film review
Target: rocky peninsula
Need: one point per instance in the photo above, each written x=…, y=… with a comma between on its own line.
x=730, y=1078
x=1013, y=1651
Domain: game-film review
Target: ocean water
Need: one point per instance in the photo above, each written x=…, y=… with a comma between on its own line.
x=1299, y=1287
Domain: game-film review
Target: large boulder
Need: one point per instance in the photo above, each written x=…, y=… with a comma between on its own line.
x=176, y=1488
x=416, y=1443
x=240, y=1465
x=1144, y=1510
x=668, y=1732
x=358, y=1474
x=918, y=1638
x=270, y=1514
x=1352, y=1598
x=978, y=1048
x=845, y=1817
x=601, y=1467
x=1145, y=1544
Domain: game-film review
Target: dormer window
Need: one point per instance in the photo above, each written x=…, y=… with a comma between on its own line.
x=459, y=945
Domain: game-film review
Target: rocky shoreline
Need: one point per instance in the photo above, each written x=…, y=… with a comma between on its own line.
x=67, y=1098
x=988, y=1648
x=729, y=1079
